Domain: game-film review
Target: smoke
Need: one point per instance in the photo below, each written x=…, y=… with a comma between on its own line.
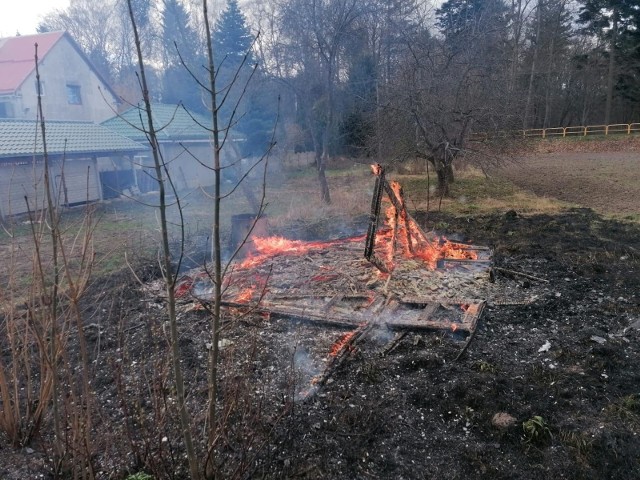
x=303, y=364
x=305, y=370
x=202, y=288
x=380, y=333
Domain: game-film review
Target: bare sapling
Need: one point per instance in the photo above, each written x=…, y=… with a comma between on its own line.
x=76, y=454
x=201, y=456
x=39, y=309
x=220, y=135
x=170, y=276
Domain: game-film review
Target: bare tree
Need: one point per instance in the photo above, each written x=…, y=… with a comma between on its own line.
x=319, y=32
x=445, y=88
x=93, y=26
x=202, y=460
x=103, y=31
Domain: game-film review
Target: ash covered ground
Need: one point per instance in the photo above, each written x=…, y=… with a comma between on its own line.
x=545, y=389
x=568, y=358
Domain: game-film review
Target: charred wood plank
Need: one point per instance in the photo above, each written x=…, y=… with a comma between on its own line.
x=374, y=216
x=379, y=264
x=393, y=344
x=427, y=312
x=338, y=358
x=478, y=312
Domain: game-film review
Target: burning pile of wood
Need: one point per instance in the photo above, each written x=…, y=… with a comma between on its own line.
x=396, y=277
x=419, y=281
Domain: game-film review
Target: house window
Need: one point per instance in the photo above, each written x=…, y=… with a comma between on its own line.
x=41, y=91
x=73, y=95
x=6, y=110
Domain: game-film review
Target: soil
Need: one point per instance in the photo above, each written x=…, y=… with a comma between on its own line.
x=608, y=182
x=544, y=389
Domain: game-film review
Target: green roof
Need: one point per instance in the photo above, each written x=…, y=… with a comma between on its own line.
x=19, y=138
x=172, y=123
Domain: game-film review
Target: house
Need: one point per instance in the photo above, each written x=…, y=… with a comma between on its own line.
x=74, y=151
x=185, y=141
x=75, y=98
x=70, y=86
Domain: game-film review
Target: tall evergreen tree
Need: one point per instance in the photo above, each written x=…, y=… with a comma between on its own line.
x=232, y=38
x=466, y=19
x=179, y=44
x=476, y=31
x=616, y=22
x=247, y=111
x=549, y=34
x=358, y=123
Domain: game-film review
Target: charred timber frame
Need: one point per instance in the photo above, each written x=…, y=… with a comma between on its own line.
x=408, y=313
x=374, y=217
x=400, y=213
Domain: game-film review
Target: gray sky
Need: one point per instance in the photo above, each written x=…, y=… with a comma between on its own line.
x=24, y=15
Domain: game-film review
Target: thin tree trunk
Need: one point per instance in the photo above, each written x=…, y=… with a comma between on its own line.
x=443, y=184
x=325, y=195
x=185, y=418
x=214, y=352
x=527, y=108
x=547, y=96
x=612, y=65
x=444, y=170
x=516, y=46
x=53, y=297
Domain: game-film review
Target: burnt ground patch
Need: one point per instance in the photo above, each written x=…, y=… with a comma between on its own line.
x=563, y=367
x=424, y=414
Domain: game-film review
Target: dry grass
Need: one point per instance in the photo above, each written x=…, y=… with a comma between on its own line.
x=297, y=202
x=125, y=226
x=475, y=193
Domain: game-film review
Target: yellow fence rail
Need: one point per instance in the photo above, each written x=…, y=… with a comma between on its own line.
x=555, y=132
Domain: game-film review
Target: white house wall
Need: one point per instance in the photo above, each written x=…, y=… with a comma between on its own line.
x=16, y=183
x=64, y=66
x=188, y=172
x=80, y=180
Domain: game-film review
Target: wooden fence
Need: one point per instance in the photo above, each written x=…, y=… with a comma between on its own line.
x=555, y=132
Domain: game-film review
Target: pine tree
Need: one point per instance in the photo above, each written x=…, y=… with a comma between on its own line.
x=232, y=38
x=465, y=19
x=250, y=113
x=476, y=30
x=616, y=22
x=179, y=44
x=358, y=123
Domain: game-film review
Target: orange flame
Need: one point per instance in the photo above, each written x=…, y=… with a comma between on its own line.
x=428, y=251
x=455, y=250
x=245, y=295
x=400, y=229
x=337, y=347
x=266, y=247
x=454, y=327
x=183, y=287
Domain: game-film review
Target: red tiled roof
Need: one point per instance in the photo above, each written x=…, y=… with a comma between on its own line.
x=17, y=57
